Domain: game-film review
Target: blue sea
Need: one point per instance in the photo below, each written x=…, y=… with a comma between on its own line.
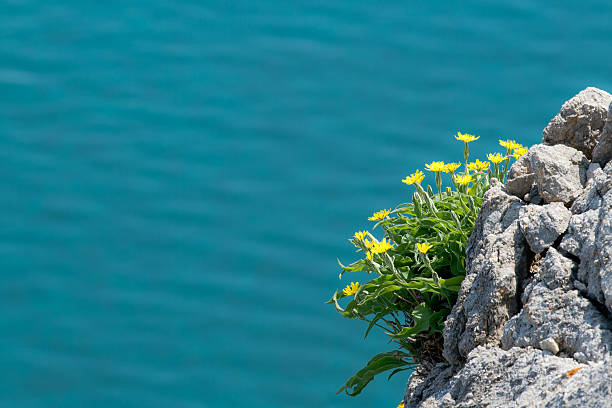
x=178, y=179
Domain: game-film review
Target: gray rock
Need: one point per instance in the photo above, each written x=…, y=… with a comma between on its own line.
x=555, y=271
x=487, y=298
x=520, y=178
x=534, y=195
x=549, y=344
x=602, y=153
x=580, y=121
x=589, y=238
x=585, y=386
x=608, y=168
x=552, y=311
x=598, y=184
x=422, y=382
x=542, y=225
x=580, y=233
x=560, y=172
x=519, y=377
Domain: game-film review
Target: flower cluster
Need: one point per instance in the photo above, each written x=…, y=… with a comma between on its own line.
x=476, y=173
x=419, y=263
x=519, y=151
x=479, y=168
x=513, y=149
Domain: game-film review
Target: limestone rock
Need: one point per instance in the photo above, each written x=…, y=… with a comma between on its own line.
x=520, y=179
x=487, y=298
x=589, y=238
x=560, y=172
x=580, y=121
x=575, y=324
x=519, y=377
x=585, y=386
x=549, y=344
x=597, y=185
x=534, y=195
x=602, y=153
x=543, y=224
x=552, y=311
x=555, y=272
x=422, y=383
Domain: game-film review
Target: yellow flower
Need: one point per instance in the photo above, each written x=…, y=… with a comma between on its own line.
x=496, y=158
x=379, y=215
x=435, y=166
x=519, y=151
x=369, y=255
x=451, y=167
x=509, y=144
x=478, y=165
x=382, y=246
x=351, y=289
x=401, y=405
x=423, y=248
x=415, y=177
x=368, y=243
x=360, y=235
x=467, y=138
x=463, y=180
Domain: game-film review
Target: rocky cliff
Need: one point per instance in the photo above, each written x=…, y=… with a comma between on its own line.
x=532, y=326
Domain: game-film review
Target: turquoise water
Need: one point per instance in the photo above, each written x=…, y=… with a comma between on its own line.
x=178, y=178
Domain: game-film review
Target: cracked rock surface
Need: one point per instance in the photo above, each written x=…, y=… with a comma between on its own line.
x=560, y=172
x=580, y=122
x=532, y=326
x=543, y=224
x=602, y=153
x=519, y=377
x=487, y=297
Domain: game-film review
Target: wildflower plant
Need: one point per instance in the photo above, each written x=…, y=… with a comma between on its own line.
x=419, y=263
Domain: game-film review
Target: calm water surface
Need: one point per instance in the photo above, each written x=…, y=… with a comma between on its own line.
x=178, y=178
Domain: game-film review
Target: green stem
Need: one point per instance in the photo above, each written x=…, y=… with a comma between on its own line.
x=427, y=199
x=505, y=172
x=428, y=265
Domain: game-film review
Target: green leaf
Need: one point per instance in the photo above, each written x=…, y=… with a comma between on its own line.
x=421, y=320
x=377, y=364
x=397, y=370
x=453, y=284
x=373, y=322
x=357, y=266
